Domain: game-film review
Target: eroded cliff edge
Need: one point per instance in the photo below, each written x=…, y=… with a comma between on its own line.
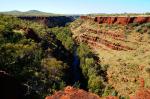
x=118, y=20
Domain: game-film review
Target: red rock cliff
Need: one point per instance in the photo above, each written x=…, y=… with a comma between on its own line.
x=118, y=20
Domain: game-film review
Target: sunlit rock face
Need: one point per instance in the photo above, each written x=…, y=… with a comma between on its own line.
x=73, y=93
x=118, y=20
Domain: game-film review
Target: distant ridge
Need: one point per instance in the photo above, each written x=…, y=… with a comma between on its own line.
x=29, y=13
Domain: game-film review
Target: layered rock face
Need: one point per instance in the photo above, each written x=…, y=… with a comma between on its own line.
x=99, y=37
x=118, y=20
x=97, y=41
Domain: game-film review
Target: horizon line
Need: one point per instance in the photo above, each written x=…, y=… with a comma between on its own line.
x=78, y=13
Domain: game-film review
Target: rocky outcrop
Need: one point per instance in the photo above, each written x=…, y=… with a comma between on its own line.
x=103, y=32
x=99, y=39
x=141, y=20
x=118, y=20
x=73, y=93
x=52, y=21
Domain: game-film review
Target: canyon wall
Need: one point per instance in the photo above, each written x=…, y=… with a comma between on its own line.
x=99, y=38
x=51, y=21
x=118, y=20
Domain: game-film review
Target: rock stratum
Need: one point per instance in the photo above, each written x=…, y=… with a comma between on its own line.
x=118, y=20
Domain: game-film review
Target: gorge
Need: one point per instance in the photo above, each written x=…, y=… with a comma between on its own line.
x=86, y=57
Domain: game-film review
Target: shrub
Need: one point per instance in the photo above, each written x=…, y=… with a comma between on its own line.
x=90, y=69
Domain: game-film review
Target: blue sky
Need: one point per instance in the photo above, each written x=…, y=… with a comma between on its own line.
x=77, y=6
